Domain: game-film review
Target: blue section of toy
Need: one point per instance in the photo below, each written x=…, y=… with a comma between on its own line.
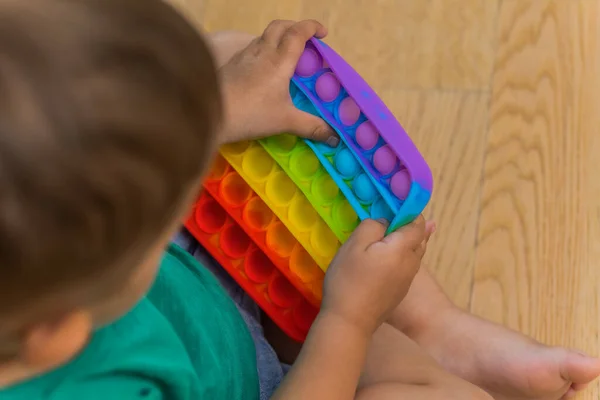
x=367, y=195
x=347, y=172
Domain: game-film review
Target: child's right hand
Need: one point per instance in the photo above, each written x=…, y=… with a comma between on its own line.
x=256, y=86
x=371, y=274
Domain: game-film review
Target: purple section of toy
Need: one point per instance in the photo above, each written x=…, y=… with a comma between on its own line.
x=379, y=116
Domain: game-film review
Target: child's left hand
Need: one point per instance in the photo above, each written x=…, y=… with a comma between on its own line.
x=256, y=83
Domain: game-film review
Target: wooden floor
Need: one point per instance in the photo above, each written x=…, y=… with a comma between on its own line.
x=503, y=99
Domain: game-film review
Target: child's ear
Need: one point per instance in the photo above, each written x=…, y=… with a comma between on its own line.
x=50, y=345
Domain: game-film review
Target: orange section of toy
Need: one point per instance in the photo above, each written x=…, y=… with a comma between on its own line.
x=227, y=242
x=265, y=229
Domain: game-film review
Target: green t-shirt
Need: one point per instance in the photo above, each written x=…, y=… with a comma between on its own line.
x=184, y=341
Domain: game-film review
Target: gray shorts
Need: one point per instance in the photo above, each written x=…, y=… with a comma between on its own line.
x=270, y=370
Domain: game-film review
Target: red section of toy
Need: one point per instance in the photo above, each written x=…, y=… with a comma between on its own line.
x=266, y=230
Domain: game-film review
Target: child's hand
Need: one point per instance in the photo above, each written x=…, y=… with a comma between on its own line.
x=371, y=274
x=256, y=86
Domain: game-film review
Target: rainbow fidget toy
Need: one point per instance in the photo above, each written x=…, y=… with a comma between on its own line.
x=274, y=212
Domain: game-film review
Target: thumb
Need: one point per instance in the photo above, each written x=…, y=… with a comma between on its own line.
x=368, y=232
x=311, y=127
x=411, y=235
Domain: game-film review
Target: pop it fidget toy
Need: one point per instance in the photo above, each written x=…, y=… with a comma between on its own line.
x=250, y=267
x=304, y=168
x=259, y=222
x=283, y=197
x=377, y=165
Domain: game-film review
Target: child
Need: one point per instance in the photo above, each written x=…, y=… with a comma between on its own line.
x=111, y=112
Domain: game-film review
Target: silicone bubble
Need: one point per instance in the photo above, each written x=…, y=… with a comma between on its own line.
x=234, y=242
x=218, y=170
x=257, y=215
x=345, y=215
x=385, y=160
x=379, y=209
x=302, y=214
x=303, y=265
x=256, y=165
x=310, y=62
x=210, y=216
x=364, y=189
x=325, y=189
x=304, y=315
x=304, y=163
x=324, y=148
x=400, y=184
x=234, y=190
x=282, y=144
x=324, y=241
x=236, y=148
x=280, y=189
x=366, y=135
x=280, y=240
x=327, y=87
x=258, y=267
x=348, y=112
x=282, y=293
x=346, y=163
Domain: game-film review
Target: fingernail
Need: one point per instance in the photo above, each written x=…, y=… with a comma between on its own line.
x=383, y=221
x=332, y=141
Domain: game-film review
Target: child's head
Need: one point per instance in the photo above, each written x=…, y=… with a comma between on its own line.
x=108, y=110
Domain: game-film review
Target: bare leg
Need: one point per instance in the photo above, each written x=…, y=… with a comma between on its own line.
x=397, y=368
x=505, y=363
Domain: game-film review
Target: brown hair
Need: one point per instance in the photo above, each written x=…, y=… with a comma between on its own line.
x=107, y=114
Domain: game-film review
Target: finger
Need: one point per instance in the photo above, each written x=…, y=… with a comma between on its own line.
x=422, y=248
x=368, y=232
x=569, y=395
x=275, y=30
x=311, y=127
x=431, y=227
x=578, y=387
x=295, y=37
x=410, y=235
x=429, y=230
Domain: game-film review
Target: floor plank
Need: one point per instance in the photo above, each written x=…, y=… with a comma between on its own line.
x=193, y=10
x=537, y=267
x=392, y=43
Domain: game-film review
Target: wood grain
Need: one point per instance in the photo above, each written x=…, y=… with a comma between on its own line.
x=537, y=267
x=392, y=43
x=449, y=128
x=193, y=10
